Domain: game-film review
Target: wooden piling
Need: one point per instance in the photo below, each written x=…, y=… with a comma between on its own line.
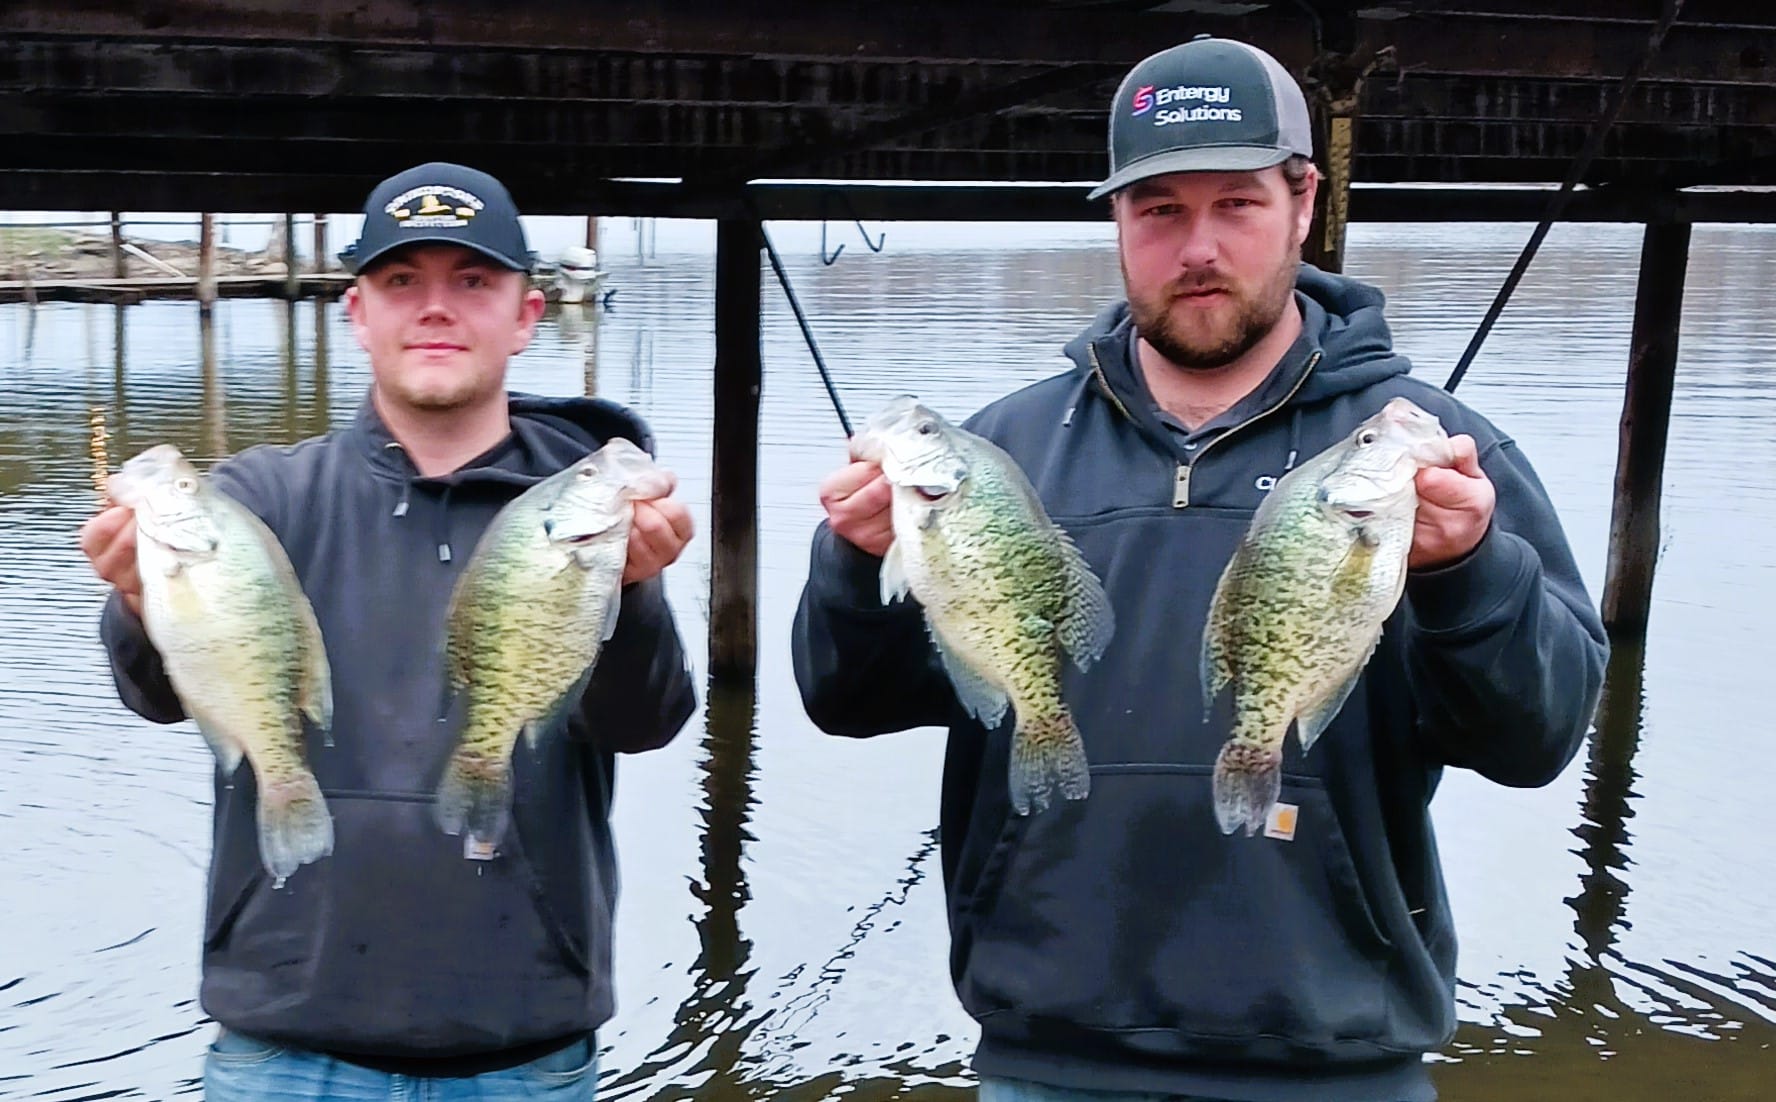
x=215, y=400
x=1336, y=86
x=592, y=232
x=1645, y=424
x=119, y=267
x=292, y=274
x=206, y=264
x=733, y=575
x=320, y=243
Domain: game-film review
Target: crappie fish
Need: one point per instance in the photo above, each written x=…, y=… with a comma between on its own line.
x=1004, y=590
x=239, y=640
x=1299, y=608
x=532, y=609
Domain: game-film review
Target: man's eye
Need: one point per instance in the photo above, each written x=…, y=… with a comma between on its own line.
x=472, y=280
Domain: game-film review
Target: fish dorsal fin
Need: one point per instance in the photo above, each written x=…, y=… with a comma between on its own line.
x=1087, y=622
x=981, y=699
x=894, y=575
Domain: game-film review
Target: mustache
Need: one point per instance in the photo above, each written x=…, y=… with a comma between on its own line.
x=1208, y=281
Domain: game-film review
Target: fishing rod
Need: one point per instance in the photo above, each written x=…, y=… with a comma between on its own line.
x=795, y=306
x=1593, y=146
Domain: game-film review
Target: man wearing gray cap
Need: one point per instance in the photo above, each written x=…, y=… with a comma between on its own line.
x=407, y=963
x=1121, y=947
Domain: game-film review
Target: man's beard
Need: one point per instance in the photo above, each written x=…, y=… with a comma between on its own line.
x=1254, y=316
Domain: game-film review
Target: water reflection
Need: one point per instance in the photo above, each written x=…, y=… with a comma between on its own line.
x=700, y=1054
x=781, y=930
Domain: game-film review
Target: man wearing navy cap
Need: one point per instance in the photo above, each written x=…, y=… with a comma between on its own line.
x=410, y=963
x=1122, y=948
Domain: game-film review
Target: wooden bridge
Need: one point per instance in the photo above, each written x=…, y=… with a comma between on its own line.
x=1663, y=110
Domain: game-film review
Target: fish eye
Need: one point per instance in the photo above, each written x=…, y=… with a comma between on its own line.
x=585, y=472
x=926, y=428
x=1366, y=437
x=185, y=485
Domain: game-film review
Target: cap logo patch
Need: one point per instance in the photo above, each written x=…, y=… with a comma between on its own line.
x=1202, y=96
x=1143, y=100
x=431, y=211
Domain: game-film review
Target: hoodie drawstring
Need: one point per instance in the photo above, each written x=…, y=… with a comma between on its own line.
x=440, y=529
x=1294, y=440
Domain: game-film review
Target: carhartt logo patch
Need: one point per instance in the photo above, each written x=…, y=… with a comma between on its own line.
x=433, y=208
x=1280, y=823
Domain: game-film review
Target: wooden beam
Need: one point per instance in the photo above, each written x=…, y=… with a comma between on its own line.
x=1645, y=424
x=733, y=555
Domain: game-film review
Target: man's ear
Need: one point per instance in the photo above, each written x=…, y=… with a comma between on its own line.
x=1305, y=212
x=354, y=309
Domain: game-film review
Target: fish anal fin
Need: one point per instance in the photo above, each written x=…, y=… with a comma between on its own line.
x=979, y=697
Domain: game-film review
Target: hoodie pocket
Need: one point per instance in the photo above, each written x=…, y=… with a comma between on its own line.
x=397, y=939
x=1131, y=911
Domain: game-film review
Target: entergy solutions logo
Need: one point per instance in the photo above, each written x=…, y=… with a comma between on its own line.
x=1143, y=100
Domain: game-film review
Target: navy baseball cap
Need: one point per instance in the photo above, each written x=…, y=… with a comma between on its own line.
x=441, y=203
x=1208, y=105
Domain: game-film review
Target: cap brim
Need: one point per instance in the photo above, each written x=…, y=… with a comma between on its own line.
x=357, y=264
x=1203, y=158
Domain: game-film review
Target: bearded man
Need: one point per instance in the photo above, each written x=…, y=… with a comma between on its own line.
x=1119, y=948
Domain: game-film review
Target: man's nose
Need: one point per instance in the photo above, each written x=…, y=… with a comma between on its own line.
x=1197, y=245
x=436, y=303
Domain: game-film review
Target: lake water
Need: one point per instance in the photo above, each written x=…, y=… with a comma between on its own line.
x=781, y=928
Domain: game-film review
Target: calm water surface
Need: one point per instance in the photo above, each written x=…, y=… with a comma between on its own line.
x=781, y=928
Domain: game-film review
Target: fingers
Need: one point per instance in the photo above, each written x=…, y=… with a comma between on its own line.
x=109, y=543
x=1467, y=456
x=658, y=535
x=859, y=506
x=848, y=480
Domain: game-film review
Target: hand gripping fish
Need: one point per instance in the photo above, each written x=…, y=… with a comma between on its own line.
x=533, y=608
x=1299, y=608
x=1003, y=589
x=240, y=642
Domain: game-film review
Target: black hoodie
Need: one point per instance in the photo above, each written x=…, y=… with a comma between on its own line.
x=1121, y=942
x=396, y=949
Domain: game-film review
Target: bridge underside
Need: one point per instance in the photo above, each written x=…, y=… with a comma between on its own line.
x=259, y=105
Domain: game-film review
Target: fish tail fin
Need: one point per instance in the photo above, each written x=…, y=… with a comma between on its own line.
x=1248, y=780
x=1047, y=754
x=295, y=826
x=475, y=795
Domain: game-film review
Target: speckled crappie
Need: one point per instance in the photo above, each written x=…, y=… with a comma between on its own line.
x=527, y=619
x=1003, y=589
x=1300, y=606
x=239, y=641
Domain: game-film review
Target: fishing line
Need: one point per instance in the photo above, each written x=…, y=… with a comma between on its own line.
x=801, y=318
x=1556, y=205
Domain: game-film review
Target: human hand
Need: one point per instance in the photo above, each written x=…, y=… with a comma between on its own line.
x=858, y=501
x=109, y=543
x=658, y=534
x=1455, y=504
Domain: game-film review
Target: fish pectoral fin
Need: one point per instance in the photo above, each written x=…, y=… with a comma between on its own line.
x=1086, y=622
x=980, y=698
x=613, y=606
x=894, y=576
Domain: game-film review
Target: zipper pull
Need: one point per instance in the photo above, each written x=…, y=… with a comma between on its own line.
x=1181, y=486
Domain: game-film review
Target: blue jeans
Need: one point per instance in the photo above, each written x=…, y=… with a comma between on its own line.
x=238, y=1068
x=1020, y=1090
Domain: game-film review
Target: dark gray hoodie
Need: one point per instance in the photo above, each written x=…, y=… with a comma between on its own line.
x=396, y=950
x=1121, y=942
